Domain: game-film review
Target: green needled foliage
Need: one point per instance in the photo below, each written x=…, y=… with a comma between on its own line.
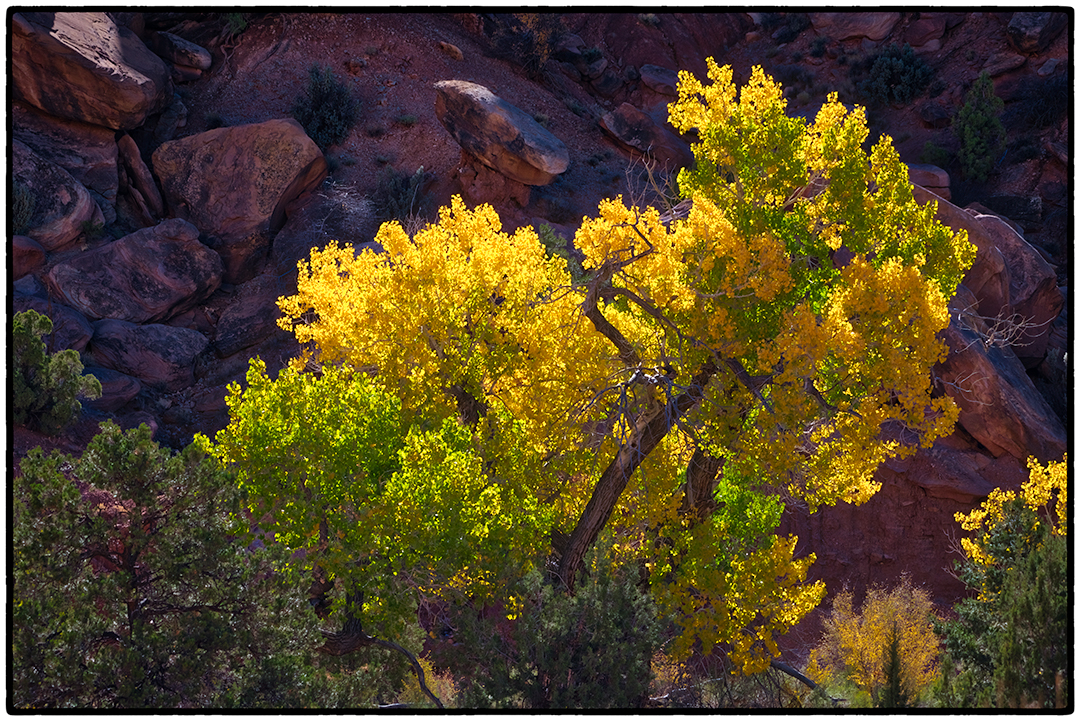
x=326, y=108
x=46, y=387
x=978, y=125
x=130, y=590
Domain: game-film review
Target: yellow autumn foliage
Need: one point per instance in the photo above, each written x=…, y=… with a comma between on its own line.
x=855, y=642
x=741, y=332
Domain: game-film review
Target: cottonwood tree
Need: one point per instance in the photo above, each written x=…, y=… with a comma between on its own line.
x=773, y=347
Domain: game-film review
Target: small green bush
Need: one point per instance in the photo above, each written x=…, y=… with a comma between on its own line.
x=896, y=75
x=214, y=120
x=326, y=109
x=527, y=39
x=235, y=23
x=46, y=387
x=979, y=128
x=401, y=197
x=591, y=55
x=794, y=24
x=23, y=204
x=817, y=48
x=934, y=154
x=408, y=120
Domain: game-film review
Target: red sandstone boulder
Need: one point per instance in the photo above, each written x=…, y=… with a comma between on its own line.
x=149, y=275
x=61, y=204
x=637, y=132
x=178, y=51
x=81, y=65
x=158, y=355
x=27, y=255
x=70, y=328
x=251, y=317
x=139, y=176
x=500, y=135
x=117, y=389
x=234, y=183
x=1032, y=32
x=88, y=152
x=844, y=25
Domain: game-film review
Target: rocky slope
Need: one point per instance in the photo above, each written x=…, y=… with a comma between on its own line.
x=174, y=196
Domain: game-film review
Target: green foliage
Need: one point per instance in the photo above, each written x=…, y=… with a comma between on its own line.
x=527, y=39
x=895, y=693
x=23, y=203
x=407, y=120
x=1010, y=645
x=817, y=48
x=400, y=197
x=934, y=154
x=896, y=75
x=326, y=108
x=236, y=23
x=589, y=650
x=46, y=387
x=591, y=55
x=555, y=245
x=136, y=595
x=978, y=126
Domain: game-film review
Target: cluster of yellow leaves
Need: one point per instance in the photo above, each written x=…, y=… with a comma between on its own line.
x=1044, y=485
x=855, y=642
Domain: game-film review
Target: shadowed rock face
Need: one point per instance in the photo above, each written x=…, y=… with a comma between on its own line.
x=147, y=276
x=62, y=204
x=500, y=135
x=158, y=355
x=81, y=65
x=234, y=183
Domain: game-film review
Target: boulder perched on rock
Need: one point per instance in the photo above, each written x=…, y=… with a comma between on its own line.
x=71, y=329
x=502, y=136
x=637, y=131
x=88, y=152
x=147, y=276
x=61, y=204
x=1032, y=32
x=158, y=355
x=844, y=25
x=81, y=65
x=117, y=389
x=234, y=183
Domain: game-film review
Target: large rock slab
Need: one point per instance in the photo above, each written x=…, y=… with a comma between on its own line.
x=27, y=255
x=61, y=204
x=158, y=355
x=147, y=276
x=1032, y=32
x=636, y=131
x=81, y=65
x=500, y=135
x=139, y=176
x=117, y=389
x=71, y=329
x=845, y=25
x=87, y=152
x=178, y=51
x=234, y=183
x=999, y=404
x=251, y=317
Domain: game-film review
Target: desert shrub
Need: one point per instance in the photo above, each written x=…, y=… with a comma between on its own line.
x=589, y=650
x=591, y=55
x=527, y=39
x=138, y=595
x=859, y=644
x=934, y=154
x=555, y=245
x=793, y=25
x=979, y=128
x=399, y=196
x=1023, y=149
x=235, y=23
x=46, y=387
x=1041, y=103
x=23, y=204
x=1010, y=645
x=896, y=75
x=407, y=120
x=326, y=108
x=817, y=48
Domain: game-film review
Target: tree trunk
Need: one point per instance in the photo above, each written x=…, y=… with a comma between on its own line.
x=645, y=437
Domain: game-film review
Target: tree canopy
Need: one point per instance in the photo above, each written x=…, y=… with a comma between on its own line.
x=480, y=412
